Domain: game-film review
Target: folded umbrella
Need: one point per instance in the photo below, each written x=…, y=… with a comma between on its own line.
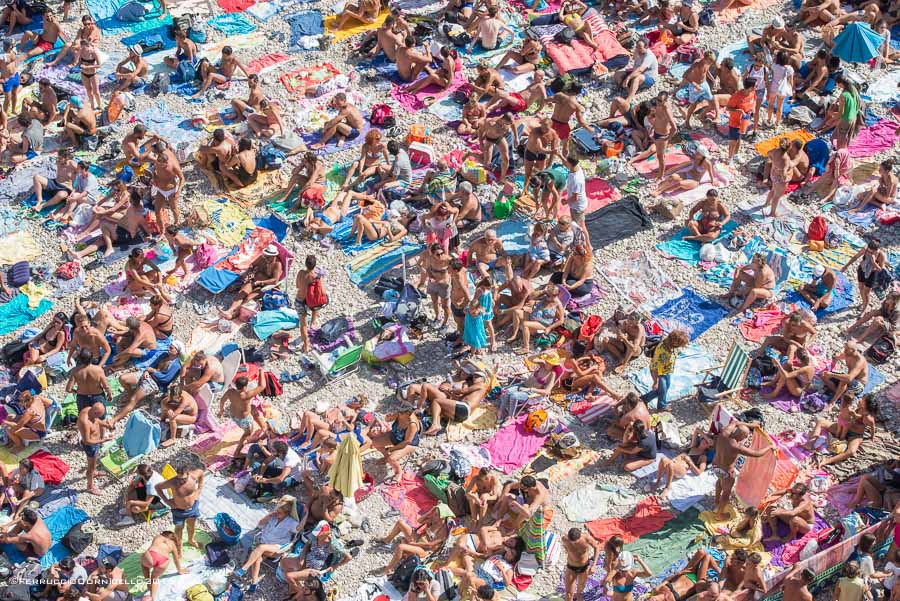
x=857, y=43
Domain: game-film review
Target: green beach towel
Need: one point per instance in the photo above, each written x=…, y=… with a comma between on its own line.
x=676, y=539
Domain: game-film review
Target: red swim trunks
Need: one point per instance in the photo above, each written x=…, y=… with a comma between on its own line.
x=45, y=46
x=562, y=129
x=520, y=105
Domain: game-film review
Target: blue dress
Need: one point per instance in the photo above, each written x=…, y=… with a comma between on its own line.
x=474, y=333
x=486, y=300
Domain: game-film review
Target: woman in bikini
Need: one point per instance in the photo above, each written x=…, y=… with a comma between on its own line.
x=860, y=427
x=89, y=63
x=52, y=339
x=365, y=11
x=401, y=440
x=690, y=176
x=161, y=317
x=526, y=58
x=388, y=230
x=372, y=153
x=546, y=314
x=625, y=574
x=797, y=380
x=473, y=115
x=31, y=425
x=155, y=560
x=143, y=276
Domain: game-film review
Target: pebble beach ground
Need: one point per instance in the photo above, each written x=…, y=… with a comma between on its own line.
x=430, y=360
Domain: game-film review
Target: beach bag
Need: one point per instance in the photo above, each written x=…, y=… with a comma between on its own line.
x=449, y=589
x=151, y=43
x=68, y=271
x=382, y=116
x=198, y=592
x=217, y=555
x=315, y=294
x=881, y=350
x=459, y=39
x=333, y=329
x=77, y=540
x=131, y=12
x=590, y=327
x=19, y=274
x=227, y=528
x=460, y=466
x=765, y=365
x=271, y=157
x=707, y=17
x=402, y=575
x=434, y=467
x=536, y=420
x=421, y=155
x=527, y=565
x=456, y=499
x=181, y=23
x=204, y=255
x=273, y=385
x=818, y=228
x=418, y=133
x=217, y=582
x=463, y=94
x=12, y=352
x=161, y=83
x=274, y=299
x=503, y=207
x=185, y=72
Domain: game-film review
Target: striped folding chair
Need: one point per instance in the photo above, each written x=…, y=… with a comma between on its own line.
x=730, y=380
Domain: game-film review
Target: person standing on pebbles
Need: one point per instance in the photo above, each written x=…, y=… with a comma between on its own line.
x=184, y=499
x=92, y=427
x=310, y=297
x=583, y=553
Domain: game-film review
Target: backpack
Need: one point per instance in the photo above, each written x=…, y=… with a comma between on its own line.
x=434, y=467
x=402, y=575
x=881, y=350
x=271, y=157
x=185, y=72
x=152, y=43
x=19, y=274
x=565, y=36
x=462, y=94
x=818, y=228
x=273, y=385
x=77, y=540
x=131, y=12
x=181, y=23
x=161, y=83
x=707, y=17
x=217, y=554
x=198, y=592
x=382, y=116
x=274, y=299
x=315, y=294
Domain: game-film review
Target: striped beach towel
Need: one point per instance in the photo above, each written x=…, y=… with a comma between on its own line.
x=534, y=530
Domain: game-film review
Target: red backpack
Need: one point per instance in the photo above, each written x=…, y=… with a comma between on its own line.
x=382, y=116
x=818, y=228
x=315, y=294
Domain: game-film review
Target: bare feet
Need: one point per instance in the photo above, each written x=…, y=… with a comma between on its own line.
x=168, y=443
x=93, y=490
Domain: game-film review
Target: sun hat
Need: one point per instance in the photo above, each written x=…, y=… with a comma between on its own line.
x=271, y=251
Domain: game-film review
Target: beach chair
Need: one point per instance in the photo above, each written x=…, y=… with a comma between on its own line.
x=730, y=380
x=114, y=455
x=168, y=472
x=339, y=363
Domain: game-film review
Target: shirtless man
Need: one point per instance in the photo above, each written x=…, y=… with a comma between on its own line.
x=182, y=247
x=713, y=216
x=487, y=80
x=228, y=66
x=387, y=40
x=489, y=30
x=44, y=108
x=127, y=231
x=755, y=280
x=884, y=193
x=93, y=430
x=265, y=271
x=854, y=381
x=819, y=292
x=240, y=408
x=781, y=173
x=663, y=129
x=78, y=121
x=732, y=574
x=133, y=344
x=213, y=157
x=410, y=61
x=797, y=331
x=697, y=78
x=541, y=146
x=631, y=409
x=166, y=184
x=304, y=277
x=85, y=337
x=625, y=344
x=565, y=105
x=134, y=142
x=60, y=186
x=436, y=265
x=582, y=551
x=241, y=108
x=512, y=296
x=10, y=78
x=131, y=72
x=481, y=494
x=492, y=135
x=730, y=446
x=459, y=292
x=346, y=125
x=185, y=50
x=487, y=253
x=202, y=370
x=454, y=401
x=178, y=408
x=520, y=499
x=796, y=583
x=799, y=518
x=184, y=499
x=518, y=102
x=28, y=533
x=88, y=382
x=42, y=41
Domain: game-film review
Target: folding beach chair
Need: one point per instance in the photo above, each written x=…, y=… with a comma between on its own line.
x=115, y=458
x=731, y=379
x=339, y=363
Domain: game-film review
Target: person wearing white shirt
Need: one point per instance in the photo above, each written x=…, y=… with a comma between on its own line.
x=275, y=530
x=576, y=194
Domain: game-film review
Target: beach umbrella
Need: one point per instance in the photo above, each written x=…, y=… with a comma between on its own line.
x=857, y=43
x=346, y=473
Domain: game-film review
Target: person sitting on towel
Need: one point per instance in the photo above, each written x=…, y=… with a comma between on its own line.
x=519, y=501
x=276, y=530
x=57, y=188
x=129, y=230
x=142, y=276
x=454, y=400
x=706, y=218
x=44, y=40
x=489, y=31
x=321, y=555
x=378, y=228
x=139, y=385
x=570, y=14
x=344, y=126
x=242, y=168
x=265, y=271
x=21, y=486
x=752, y=282
x=638, y=447
x=31, y=425
x=364, y=11
x=78, y=121
x=387, y=38
x=16, y=13
x=228, y=66
x=819, y=291
x=267, y=122
x=525, y=58
x=883, y=321
x=690, y=581
x=410, y=61
x=309, y=177
x=429, y=537
x=185, y=50
x=240, y=109
x=134, y=343
x=575, y=275
x=441, y=77
x=28, y=533
x=883, y=193
x=799, y=519
x=626, y=341
x=132, y=70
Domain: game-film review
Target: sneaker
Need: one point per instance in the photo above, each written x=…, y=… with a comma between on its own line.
x=252, y=588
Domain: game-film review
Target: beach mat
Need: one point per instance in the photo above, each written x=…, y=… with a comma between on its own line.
x=617, y=221
x=691, y=312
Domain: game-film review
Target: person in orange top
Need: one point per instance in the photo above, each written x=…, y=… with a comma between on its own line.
x=741, y=107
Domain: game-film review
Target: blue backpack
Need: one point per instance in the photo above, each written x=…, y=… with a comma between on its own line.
x=270, y=158
x=274, y=299
x=185, y=72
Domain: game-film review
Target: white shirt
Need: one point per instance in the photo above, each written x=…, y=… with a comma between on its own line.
x=294, y=461
x=649, y=63
x=278, y=533
x=894, y=571
x=575, y=190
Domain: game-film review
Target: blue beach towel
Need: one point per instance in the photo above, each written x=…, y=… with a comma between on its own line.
x=514, y=236
x=164, y=32
x=690, y=312
x=232, y=24
x=104, y=13
x=304, y=24
x=841, y=297
x=266, y=323
x=689, y=250
x=58, y=523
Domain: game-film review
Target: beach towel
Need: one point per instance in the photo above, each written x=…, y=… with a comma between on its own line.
x=691, y=312
x=560, y=470
x=730, y=15
x=674, y=539
x=764, y=322
x=191, y=558
x=266, y=62
x=16, y=313
x=690, y=370
x=218, y=496
x=647, y=517
x=513, y=234
x=18, y=246
x=841, y=495
x=766, y=146
x=586, y=504
x=232, y=24
x=692, y=489
x=263, y=11
x=266, y=323
x=617, y=221
x=675, y=155
x=266, y=185
x=511, y=446
x=229, y=223
x=363, y=271
x=163, y=31
x=483, y=417
x=535, y=530
x=736, y=52
x=58, y=523
x=54, y=499
x=104, y=13
x=51, y=468
x=640, y=279
x=302, y=25
x=333, y=146
x=599, y=194
x=841, y=297
x=173, y=127
x=756, y=474
x=884, y=87
x=430, y=93
x=235, y=6
x=410, y=497
x=788, y=553
x=589, y=412
x=354, y=28
x=298, y=80
x=689, y=250
x=874, y=139
x=207, y=337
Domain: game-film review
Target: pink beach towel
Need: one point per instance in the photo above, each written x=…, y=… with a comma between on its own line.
x=512, y=447
x=765, y=322
x=599, y=194
x=410, y=497
x=416, y=102
x=872, y=140
x=840, y=496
